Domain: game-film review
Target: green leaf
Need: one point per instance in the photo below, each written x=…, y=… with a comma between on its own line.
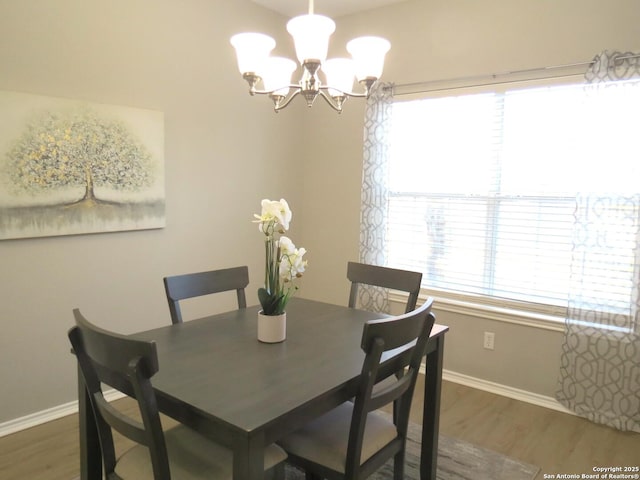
x=264, y=297
x=271, y=304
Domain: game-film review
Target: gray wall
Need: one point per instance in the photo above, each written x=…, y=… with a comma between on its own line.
x=225, y=151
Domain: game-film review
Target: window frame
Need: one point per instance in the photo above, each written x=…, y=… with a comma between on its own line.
x=532, y=314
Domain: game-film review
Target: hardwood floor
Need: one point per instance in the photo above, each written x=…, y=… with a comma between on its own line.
x=558, y=443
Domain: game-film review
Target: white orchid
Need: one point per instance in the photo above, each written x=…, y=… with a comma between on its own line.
x=297, y=263
x=286, y=245
x=274, y=213
x=283, y=261
x=292, y=265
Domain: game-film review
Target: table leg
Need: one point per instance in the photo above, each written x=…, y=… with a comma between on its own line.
x=248, y=459
x=431, y=412
x=90, y=455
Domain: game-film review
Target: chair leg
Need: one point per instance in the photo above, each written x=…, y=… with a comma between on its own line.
x=398, y=466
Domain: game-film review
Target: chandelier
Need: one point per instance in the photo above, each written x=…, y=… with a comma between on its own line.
x=311, y=39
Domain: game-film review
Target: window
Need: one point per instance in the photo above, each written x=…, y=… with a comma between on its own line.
x=483, y=187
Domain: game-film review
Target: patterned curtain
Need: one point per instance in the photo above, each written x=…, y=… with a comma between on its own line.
x=600, y=360
x=373, y=214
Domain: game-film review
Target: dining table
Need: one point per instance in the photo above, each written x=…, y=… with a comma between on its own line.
x=217, y=378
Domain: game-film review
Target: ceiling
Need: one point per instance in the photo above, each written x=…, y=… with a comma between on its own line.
x=332, y=8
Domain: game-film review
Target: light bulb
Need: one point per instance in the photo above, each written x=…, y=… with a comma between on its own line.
x=277, y=73
x=252, y=51
x=368, y=56
x=311, y=36
x=339, y=74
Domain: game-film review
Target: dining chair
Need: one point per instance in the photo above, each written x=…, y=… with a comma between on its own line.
x=128, y=365
x=385, y=277
x=181, y=287
x=353, y=440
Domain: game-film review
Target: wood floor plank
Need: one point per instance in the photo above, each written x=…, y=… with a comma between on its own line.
x=557, y=442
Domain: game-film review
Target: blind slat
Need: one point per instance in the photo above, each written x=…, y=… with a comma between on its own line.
x=482, y=191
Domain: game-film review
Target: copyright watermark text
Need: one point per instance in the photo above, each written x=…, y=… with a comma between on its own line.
x=631, y=472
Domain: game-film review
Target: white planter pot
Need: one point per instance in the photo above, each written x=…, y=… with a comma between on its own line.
x=272, y=328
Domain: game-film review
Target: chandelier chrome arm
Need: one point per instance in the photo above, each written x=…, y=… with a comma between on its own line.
x=309, y=87
x=337, y=101
x=280, y=101
x=334, y=101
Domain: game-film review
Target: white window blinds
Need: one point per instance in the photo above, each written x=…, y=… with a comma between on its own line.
x=483, y=187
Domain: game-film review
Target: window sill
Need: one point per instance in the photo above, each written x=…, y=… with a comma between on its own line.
x=490, y=312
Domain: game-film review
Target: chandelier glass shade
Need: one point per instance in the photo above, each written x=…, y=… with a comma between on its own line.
x=332, y=79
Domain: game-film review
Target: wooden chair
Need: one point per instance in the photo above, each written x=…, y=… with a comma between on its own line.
x=181, y=287
x=403, y=280
x=128, y=365
x=353, y=441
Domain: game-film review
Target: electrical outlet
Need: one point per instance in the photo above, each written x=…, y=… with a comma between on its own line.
x=489, y=340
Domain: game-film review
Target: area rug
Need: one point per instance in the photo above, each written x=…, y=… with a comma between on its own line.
x=457, y=460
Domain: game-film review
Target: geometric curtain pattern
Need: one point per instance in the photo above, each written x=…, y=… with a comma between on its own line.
x=600, y=360
x=610, y=66
x=374, y=201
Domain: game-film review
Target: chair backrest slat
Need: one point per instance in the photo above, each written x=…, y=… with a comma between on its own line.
x=390, y=393
x=384, y=277
x=123, y=424
x=190, y=285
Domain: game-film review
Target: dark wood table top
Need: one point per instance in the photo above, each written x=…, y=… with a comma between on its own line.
x=216, y=377
x=217, y=366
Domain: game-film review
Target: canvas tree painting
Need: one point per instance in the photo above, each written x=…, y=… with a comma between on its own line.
x=68, y=167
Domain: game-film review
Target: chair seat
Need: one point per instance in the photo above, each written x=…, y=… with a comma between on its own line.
x=191, y=456
x=325, y=440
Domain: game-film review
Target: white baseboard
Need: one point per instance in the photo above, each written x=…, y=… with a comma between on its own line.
x=505, y=391
x=53, y=413
x=38, y=418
